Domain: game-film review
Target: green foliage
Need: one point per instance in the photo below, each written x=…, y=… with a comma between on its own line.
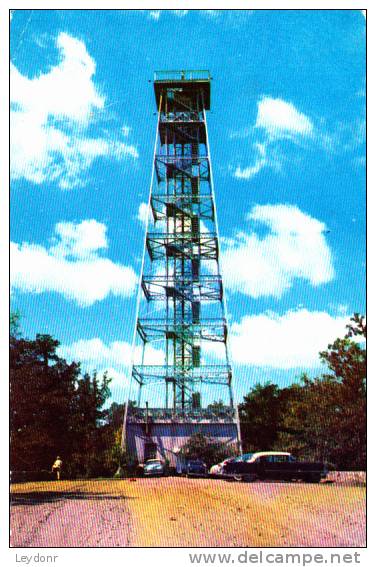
x=322, y=418
x=200, y=446
x=260, y=416
x=346, y=389
x=41, y=391
x=55, y=410
x=14, y=324
x=216, y=407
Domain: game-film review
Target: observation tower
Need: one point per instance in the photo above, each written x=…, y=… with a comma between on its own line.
x=181, y=381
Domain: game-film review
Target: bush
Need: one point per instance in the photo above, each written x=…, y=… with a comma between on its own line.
x=200, y=446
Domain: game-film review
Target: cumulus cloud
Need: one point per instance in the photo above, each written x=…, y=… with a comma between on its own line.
x=71, y=266
x=79, y=240
x=115, y=357
x=95, y=353
x=294, y=248
x=289, y=341
x=46, y=94
x=49, y=129
x=280, y=118
x=276, y=120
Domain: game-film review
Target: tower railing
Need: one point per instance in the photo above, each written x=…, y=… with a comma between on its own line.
x=183, y=75
x=224, y=414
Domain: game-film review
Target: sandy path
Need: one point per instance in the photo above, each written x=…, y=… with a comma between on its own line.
x=181, y=512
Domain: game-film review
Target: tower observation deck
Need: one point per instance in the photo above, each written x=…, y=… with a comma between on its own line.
x=181, y=378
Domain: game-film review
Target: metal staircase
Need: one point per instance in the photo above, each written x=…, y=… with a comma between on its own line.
x=181, y=306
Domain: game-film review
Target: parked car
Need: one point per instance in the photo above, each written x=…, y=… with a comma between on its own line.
x=196, y=467
x=276, y=465
x=154, y=467
x=216, y=470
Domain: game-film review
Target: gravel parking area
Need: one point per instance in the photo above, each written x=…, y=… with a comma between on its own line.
x=181, y=512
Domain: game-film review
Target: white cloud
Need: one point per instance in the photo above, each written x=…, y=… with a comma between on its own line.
x=115, y=357
x=119, y=150
x=294, y=248
x=143, y=212
x=79, y=240
x=72, y=266
x=288, y=341
x=280, y=118
x=50, y=117
x=180, y=13
x=277, y=120
x=155, y=14
x=66, y=91
x=95, y=353
x=260, y=162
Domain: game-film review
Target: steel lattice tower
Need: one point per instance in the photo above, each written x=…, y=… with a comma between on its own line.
x=180, y=353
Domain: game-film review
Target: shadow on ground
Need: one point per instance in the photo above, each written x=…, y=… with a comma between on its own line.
x=35, y=498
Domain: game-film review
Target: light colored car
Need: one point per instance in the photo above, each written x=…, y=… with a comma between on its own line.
x=217, y=469
x=154, y=467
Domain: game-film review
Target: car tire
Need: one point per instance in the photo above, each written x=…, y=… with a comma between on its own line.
x=238, y=477
x=250, y=477
x=313, y=478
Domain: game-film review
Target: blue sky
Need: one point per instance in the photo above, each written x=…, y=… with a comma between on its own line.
x=287, y=136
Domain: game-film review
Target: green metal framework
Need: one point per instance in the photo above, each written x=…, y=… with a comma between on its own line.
x=181, y=311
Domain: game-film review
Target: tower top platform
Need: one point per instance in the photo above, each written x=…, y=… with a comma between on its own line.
x=189, y=81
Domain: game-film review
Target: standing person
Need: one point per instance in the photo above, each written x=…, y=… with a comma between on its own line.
x=57, y=467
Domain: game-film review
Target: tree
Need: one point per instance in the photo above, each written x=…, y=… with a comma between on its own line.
x=88, y=421
x=54, y=410
x=199, y=446
x=114, y=415
x=42, y=387
x=323, y=418
x=216, y=407
x=304, y=428
x=347, y=361
x=260, y=416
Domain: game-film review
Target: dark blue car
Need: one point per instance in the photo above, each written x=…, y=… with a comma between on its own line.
x=196, y=467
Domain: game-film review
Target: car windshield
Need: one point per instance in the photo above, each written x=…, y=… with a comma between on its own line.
x=245, y=457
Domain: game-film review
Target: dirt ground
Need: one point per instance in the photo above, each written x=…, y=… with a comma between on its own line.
x=180, y=512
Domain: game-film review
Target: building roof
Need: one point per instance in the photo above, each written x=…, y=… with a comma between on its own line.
x=188, y=80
